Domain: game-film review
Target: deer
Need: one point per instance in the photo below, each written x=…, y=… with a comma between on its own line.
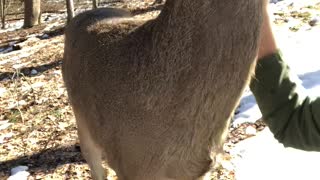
x=153, y=98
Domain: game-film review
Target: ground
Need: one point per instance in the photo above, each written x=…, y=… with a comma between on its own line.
x=37, y=126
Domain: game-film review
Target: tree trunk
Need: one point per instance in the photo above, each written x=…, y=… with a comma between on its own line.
x=31, y=13
x=3, y=14
x=70, y=9
x=95, y=4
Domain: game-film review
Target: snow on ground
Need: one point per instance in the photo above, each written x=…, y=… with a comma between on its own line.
x=262, y=157
x=300, y=50
x=19, y=173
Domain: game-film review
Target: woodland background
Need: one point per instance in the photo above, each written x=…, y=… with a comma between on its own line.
x=37, y=126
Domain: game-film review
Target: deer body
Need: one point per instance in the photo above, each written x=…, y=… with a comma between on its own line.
x=155, y=100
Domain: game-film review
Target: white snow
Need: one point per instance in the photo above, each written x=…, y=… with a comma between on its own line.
x=4, y=124
x=262, y=156
x=5, y=137
x=301, y=52
x=34, y=72
x=2, y=90
x=19, y=173
x=251, y=130
x=12, y=26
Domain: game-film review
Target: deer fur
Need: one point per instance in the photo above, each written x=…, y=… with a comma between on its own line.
x=154, y=98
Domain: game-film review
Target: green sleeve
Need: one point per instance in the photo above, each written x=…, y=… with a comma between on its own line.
x=293, y=117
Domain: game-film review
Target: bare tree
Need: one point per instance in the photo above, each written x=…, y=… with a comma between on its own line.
x=95, y=4
x=70, y=9
x=31, y=13
x=3, y=14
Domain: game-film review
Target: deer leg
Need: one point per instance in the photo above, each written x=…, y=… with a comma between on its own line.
x=91, y=153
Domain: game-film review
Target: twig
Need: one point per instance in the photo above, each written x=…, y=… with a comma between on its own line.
x=17, y=73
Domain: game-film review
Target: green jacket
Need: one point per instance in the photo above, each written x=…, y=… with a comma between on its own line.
x=293, y=117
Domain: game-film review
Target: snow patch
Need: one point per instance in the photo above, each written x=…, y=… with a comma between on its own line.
x=264, y=158
x=2, y=91
x=303, y=59
x=19, y=173
x=34, y=72
x=4, y=137
x=4, y=124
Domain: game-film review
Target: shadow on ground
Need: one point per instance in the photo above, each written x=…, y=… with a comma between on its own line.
x=27, y=71
x=45, y=161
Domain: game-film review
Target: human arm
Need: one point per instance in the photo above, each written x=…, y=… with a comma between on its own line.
x=293, y=117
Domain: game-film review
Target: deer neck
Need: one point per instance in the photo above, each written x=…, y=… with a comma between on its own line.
x=198, y=13
x=198, y=23
x=206, y=28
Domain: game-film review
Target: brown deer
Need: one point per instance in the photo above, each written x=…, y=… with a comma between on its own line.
x=154, y=98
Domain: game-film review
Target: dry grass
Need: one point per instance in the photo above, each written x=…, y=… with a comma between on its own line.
x=41, y=132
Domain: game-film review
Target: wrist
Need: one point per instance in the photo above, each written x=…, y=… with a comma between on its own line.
x=267, y=41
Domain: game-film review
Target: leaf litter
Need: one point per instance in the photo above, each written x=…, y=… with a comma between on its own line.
x=37, y=125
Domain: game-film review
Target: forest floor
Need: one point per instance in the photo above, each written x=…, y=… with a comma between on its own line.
x=37, y=125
